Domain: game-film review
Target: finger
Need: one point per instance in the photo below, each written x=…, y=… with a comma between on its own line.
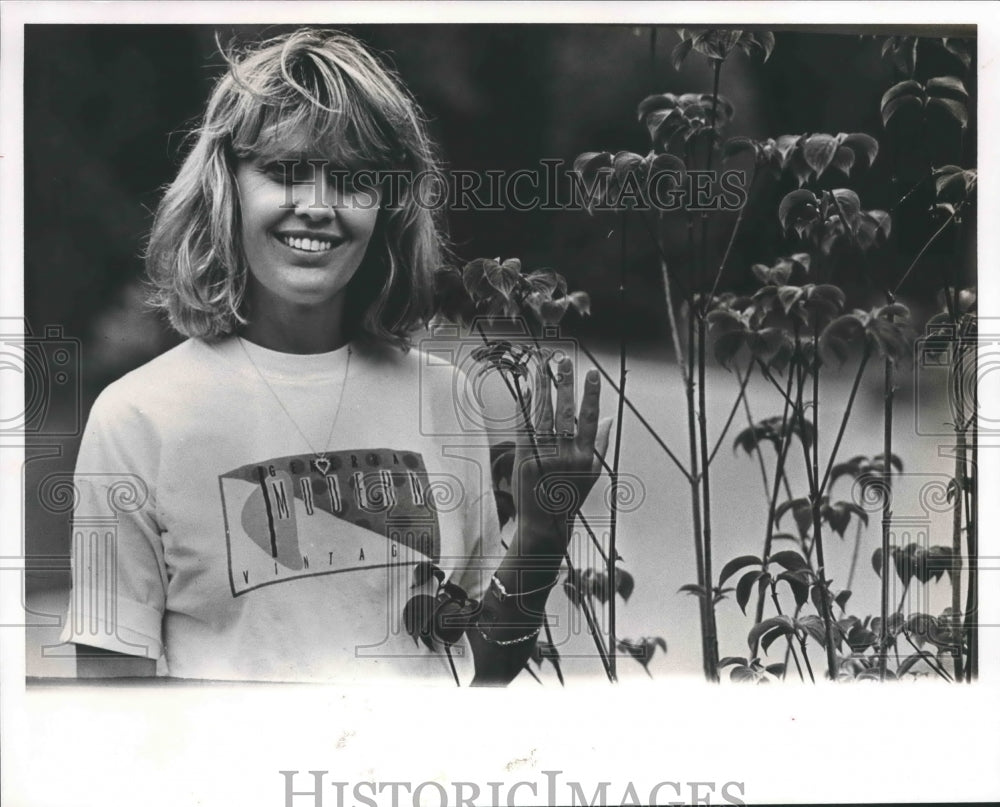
x=589, y=412
x=601, y=443
x=565, y=415
x=543, y=399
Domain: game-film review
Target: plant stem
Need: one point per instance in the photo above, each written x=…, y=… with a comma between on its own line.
x=612, y=566
x=732, y=412
x=956, y=546
x=732, y=237
x=971, y=492
x=786, y=396
x=531, y=672
x=788, y=636
x=758, y=452
x=902, y=599
x=593, y=538
x=706, y=500
x=675, y=337
x=682, y=287
x=847, y=416
x=805, y=658
x=709, y=635
x=632, y=408
x=705, y=583
x=816, y=496
x=886, y=516
x=786, y=441
x=451, y=664
x=972, y=538
x=934, y=665
x=854, y=555
x=927, y=245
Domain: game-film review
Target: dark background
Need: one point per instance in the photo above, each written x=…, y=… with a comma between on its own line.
x=106, y=107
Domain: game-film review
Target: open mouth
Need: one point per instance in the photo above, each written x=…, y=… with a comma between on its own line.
x=309, y=245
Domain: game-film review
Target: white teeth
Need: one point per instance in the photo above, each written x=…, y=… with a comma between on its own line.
x=307, y=244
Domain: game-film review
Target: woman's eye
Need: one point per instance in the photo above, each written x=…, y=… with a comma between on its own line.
x=280, y=170
x=342, y=180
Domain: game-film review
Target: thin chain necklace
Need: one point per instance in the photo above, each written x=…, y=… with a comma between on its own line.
x=321, y=460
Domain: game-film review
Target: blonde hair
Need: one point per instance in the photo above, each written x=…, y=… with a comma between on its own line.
x=310, y=85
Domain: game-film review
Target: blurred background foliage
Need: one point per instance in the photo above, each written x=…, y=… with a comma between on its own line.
x=106, y=107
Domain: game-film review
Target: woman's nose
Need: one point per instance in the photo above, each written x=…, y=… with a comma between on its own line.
x=316, y=198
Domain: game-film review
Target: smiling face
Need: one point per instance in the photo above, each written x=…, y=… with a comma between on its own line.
x=302, y=242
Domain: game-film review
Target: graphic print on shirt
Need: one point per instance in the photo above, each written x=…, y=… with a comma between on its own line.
x=303, y=516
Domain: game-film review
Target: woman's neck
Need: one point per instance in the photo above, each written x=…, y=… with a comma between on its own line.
x=297, y=330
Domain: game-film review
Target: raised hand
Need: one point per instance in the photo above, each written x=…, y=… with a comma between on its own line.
x=556, y=462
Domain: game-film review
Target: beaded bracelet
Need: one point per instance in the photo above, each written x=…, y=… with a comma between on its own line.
x=503, y=594
x=505, y=642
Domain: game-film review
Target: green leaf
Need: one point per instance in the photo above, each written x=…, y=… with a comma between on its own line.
x=735, y=565
x=766, y=343
x=818, y=151
x=765, y=39
x=953, y=109
x=835, y=340
x=788, y=296
x=874, y=226
x=947, y=87
x=503, y=276
x=424, y=571
x=417, y=616
x=726, y=346
x=958, y=48
x=782, y=623
x=654, y=103
x=733, y=660
x=800, y=205
x=799, y=583
x=679, y=53
x=939, y=559
x=860, y=144
x=744, y=587
x=450, y=621
x=831, y=296
x=474, y=277
x=596, y=584
x=624, y=583
x=843, y=160
x=904, y=89
x=798, y=507
x=912, y=104
x=907, y=664
x=789, y=559
x=737, y=145
x=951, y=184
x=506, y=510
x=771, y=637
x=848, y=203
x=814, y=626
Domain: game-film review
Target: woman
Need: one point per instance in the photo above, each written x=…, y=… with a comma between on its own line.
x=262, y=501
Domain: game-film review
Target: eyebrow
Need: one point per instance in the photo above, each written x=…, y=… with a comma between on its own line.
x=338, y=162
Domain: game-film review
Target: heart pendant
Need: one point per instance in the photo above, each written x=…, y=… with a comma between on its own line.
x=322, y=464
